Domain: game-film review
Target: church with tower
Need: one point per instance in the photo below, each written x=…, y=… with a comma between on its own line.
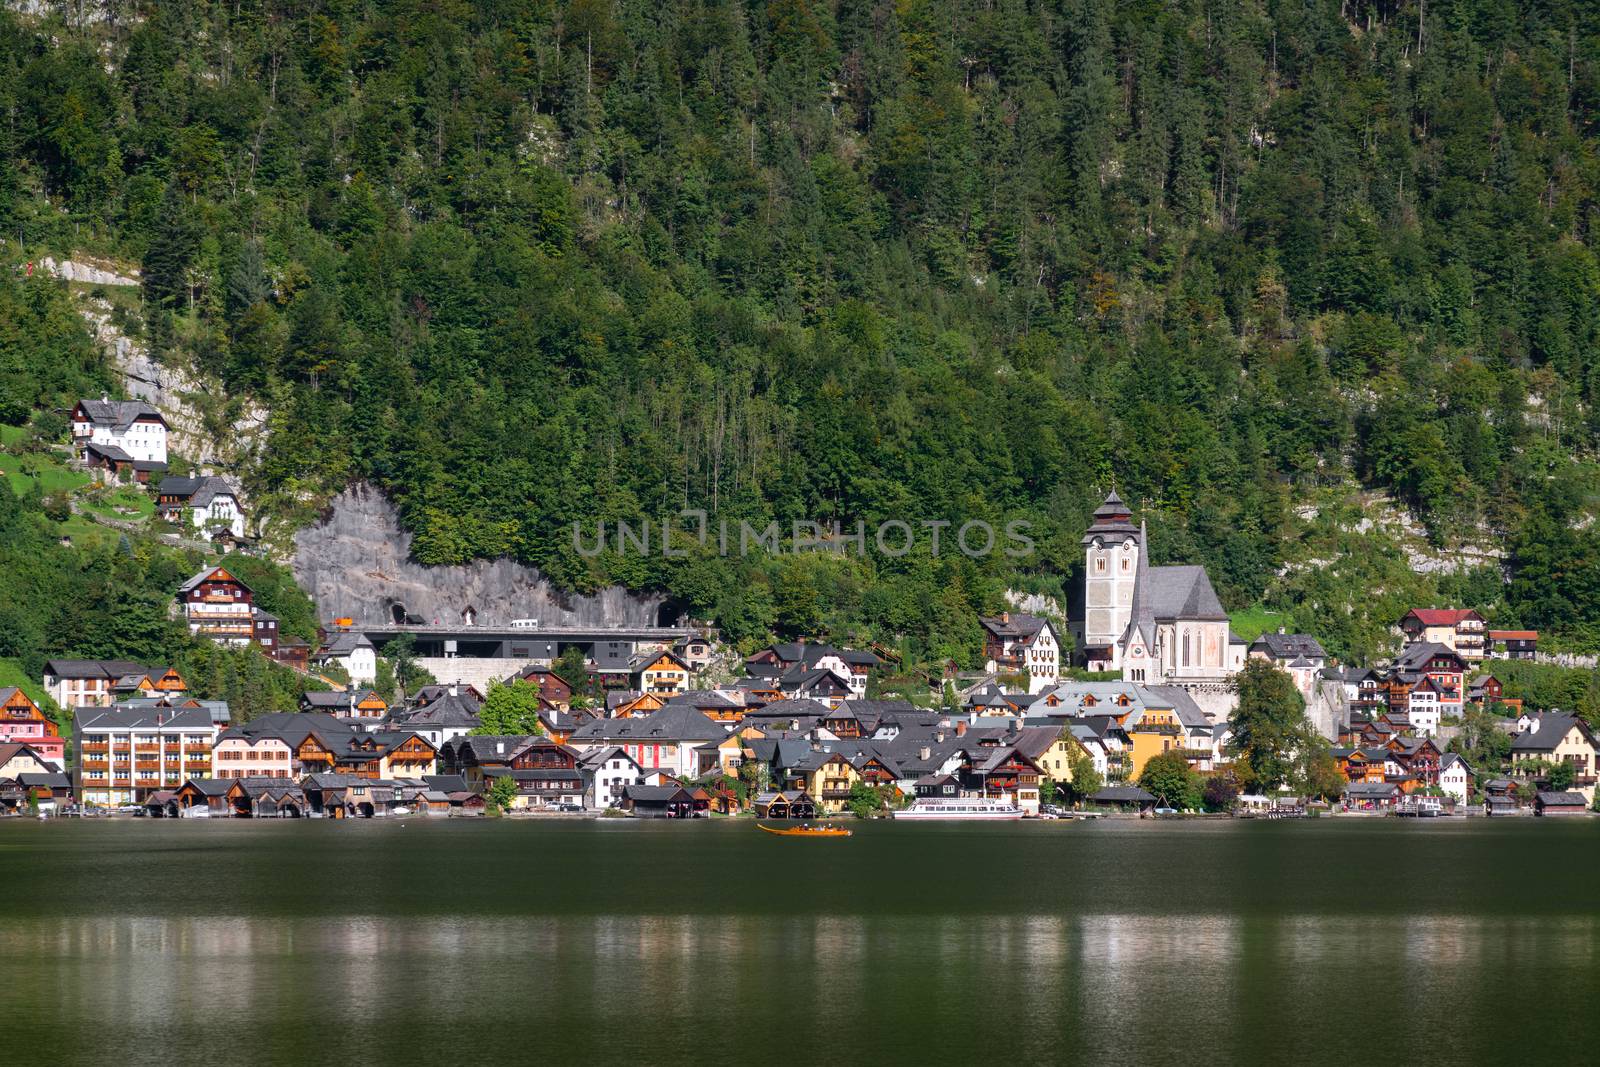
x=1154, y=625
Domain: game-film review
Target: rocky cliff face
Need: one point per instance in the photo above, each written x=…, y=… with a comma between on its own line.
x=223, y=446
x=357, y=563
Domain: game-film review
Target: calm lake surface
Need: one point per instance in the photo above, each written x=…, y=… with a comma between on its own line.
x=1353, y=942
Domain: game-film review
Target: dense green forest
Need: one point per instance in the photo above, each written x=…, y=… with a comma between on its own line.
x=522, y=264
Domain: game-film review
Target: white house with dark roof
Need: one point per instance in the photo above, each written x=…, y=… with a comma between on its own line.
x=352, y=650
x=119, y=434
x=1020, y=643
x=1454, y=775
x=607, y=770
x=207, y=503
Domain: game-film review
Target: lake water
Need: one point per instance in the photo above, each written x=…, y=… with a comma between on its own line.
x=498, y=941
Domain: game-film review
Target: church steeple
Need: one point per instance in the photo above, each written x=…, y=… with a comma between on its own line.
x=1141, y=613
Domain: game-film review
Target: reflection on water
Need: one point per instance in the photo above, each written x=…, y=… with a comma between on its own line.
x=500, y=941
x=1103, y=987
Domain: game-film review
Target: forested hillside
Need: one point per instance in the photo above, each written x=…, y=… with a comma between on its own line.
x=525, y=263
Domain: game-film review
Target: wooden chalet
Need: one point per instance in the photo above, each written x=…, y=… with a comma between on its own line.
x=1007, y=772
x=1420, y=757
x=546, y=773
x=842, y=723
x=637, y=705
x=662, y=671
x=1362, y=764
x=24, y=721
x=553, y=689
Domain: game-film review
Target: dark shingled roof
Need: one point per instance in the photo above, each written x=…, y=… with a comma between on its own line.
x=198, y=492
x=1289, y=646
x=1552, y=730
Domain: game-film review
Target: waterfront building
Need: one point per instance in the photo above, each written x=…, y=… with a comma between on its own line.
x=123, y=754
x=1454, y=776
x=1551, y=738
x=607, y=770
x=546, y=774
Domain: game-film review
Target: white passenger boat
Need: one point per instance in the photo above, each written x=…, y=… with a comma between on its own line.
x=958, y=808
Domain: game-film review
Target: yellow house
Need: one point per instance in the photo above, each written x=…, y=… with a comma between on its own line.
x=1151, y=732
x=1551, y=738
x=828, y=777
x=1054, y=755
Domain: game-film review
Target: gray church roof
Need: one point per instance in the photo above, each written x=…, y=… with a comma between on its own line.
x=1184, y=592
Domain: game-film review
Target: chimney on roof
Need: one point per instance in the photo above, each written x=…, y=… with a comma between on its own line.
x=455, y=689
x=924, y=752
x=961, y=727
x=939, y=737
x=1005, y=617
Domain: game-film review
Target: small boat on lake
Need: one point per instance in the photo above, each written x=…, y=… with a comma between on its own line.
x=806, y=831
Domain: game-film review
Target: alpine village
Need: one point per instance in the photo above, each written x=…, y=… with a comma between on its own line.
x=1194, y=410
x=1141, y=702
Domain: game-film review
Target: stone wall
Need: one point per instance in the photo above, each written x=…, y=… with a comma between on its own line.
x=472, y=671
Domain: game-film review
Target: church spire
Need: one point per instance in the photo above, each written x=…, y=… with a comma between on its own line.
x=1141, y=612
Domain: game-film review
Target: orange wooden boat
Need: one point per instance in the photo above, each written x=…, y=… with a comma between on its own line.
x=807, y=831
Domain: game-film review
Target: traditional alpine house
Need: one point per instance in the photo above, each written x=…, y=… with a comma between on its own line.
x=204, y=503
x=220, y=607
x=22, y=721
x=1018, y=643
x=120, y=437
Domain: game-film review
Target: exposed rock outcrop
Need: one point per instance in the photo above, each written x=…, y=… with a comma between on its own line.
x=357, y=563
x=176, y=393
